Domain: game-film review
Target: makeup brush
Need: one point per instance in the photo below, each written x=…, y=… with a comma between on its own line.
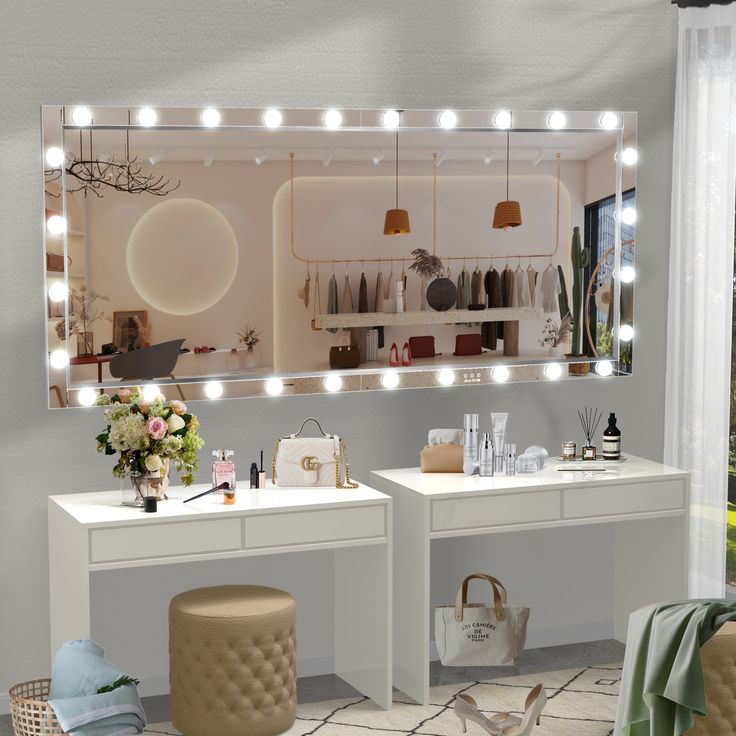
x=222, y=487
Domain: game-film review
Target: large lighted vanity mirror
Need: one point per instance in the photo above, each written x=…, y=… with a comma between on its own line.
x=238, y=252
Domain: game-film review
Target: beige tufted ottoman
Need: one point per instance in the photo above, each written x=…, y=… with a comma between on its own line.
x=232, y=655
x=719, y=669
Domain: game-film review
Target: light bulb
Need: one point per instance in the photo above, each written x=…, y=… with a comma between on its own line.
x=332, y=119
x=333, y=382
x=448, y=119
x=628, y=215
x=609, y=120
x=627, y=274
x=556, y=120
x=502, y=119
x=147, y=117
x=553, y=371
x=272, y=118
x=213, y=389
x=629, y=156
x=626, y=333
x=604, y=367
x=500, y=374
x=391, y=119
x=390, y=379
x=58, y=291
x=56, y=224
x=210, y=117
x=59, y=358
x=54, y=157
x=151, y=392
x=81, y=116
x=274, y=386
x=86, y=396
x=445, y=377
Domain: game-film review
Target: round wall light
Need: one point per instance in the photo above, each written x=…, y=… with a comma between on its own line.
x=556, y=120
x=391, y=119
x=151, y=392
x=58, y=291
x=147, y=117
x=609, y=120
x=332, y=119
x=553, y=371
x=604, y=367
x=81, y=116
x=274, y=386
x=445, y=377
x=332, y=383
x=447, y=119
x=54, y=157
x=626, y=333
x=56, y=224
x=502, y=119
x=210, y=117
x=390, y=379
x=628, y=215
x=629, y=156
x=627, y=274
x=500, y=374
x=86, y=396
x=59, y=359
x=272, y=118
x=213, y=389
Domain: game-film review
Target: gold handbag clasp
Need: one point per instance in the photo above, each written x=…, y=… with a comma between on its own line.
x=310, y=462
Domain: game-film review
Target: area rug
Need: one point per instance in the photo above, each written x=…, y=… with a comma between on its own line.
x=582, y=702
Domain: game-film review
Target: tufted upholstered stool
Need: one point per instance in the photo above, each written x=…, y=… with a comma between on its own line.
x=718, y=655
x=232, y=661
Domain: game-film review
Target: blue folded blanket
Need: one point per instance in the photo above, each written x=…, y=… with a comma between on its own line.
x=80, y=670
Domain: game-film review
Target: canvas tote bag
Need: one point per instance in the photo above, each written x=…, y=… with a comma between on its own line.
x=474, y=634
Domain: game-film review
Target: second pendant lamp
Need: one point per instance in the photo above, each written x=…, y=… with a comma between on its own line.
x=507, y=213
x=397, y=220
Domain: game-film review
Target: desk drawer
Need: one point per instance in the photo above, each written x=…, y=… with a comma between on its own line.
x=486, y=511
x=632, y=498
x=164, y=540
x=312, y=527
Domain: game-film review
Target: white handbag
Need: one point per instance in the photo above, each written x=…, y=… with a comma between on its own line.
x=474, y=634
x=311, y=461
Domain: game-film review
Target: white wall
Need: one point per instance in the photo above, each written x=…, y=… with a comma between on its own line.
x=581, y=54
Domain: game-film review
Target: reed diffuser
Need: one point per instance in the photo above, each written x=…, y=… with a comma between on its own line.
x=589, y=420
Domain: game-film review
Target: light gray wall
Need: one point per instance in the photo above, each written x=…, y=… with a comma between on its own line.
x=527, y=54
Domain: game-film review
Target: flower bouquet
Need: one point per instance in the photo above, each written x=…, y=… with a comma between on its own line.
x=554, y=335
x=149, y=436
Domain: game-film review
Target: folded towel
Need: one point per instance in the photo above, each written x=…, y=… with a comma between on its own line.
x=445, y=437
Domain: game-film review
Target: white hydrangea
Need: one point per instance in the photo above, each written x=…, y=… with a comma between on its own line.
x=129, y=433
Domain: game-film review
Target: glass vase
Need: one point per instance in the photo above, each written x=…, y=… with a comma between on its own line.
x=138, y=486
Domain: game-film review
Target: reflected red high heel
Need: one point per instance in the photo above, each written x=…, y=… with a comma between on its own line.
x=393, y=358
x=406, y=354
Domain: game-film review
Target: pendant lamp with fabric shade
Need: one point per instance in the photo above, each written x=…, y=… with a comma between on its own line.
x=507, y=213
x=397, y=220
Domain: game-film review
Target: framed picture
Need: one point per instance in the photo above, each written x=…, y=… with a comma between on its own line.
x=85, y=344
x=129, y=329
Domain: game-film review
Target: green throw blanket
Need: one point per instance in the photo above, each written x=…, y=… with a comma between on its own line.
x=662, y=688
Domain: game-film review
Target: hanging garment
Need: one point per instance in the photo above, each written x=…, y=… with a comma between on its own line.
x=332, y=305
x=424, y=305
x=476, y=287
x=510, y=329
x=532, y=276
x=363, y=294
x=550, y=290
x=347, y=296
x=406, y=293
x=523, y=297
x=492, y=331
x=390, y=286
x=378, y=300
x=463, y=290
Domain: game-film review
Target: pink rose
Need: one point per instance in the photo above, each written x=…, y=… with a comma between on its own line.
x=124, y=395
x=178, y=407
x=157, y=428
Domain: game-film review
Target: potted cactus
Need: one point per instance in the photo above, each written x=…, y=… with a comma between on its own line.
x=580, y=257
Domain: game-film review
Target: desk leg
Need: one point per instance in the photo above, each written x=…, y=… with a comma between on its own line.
x=363, y=619
x=68, y=579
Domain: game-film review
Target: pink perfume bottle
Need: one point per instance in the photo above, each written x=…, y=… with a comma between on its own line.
x=223, y=471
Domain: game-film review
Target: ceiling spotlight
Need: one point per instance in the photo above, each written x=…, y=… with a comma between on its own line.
x=604, y=368
x=54, y=157
x=272, y=118
x=274, y=386
x=56, y=224
x=445, y=377
x=209, y=159
x=59, y=358
x=213, y=389
x=58, y=291
x=153, y=159
x=332, y=119
x=628, y=215
x=378, y=157
x=538, y=157
x=390, y=379
x=332, y=383
x=391, y=119
x=440, y=158
x=629, y=156
x=553, y=371
x=626, y=333
x=488, y=157
x=500, y=374
x=86, y=396
x=556, y=120
x=262, y=156
x=609, y=120
x=147, y=117
x=151, y=392
x=502, y=119
x=82, y=116
x=210, y=117
x=627, y=274
x=447, y=119
x=327, y=160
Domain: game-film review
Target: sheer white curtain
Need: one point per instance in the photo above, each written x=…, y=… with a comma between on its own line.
x=701, y=275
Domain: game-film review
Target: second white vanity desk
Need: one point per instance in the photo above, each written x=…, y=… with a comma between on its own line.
x=636, y=553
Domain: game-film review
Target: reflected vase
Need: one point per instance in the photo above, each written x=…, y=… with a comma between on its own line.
x=247, y=358
x=141, y=485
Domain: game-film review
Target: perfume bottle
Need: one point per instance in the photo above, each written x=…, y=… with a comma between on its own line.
x=223, y=471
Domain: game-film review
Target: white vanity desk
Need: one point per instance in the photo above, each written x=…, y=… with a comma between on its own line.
x=646, y=503
x=92, y=531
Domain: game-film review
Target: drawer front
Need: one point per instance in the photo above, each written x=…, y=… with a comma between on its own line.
x=312, y=527
x=633, y=498
x=164, y=540
x=488, y=511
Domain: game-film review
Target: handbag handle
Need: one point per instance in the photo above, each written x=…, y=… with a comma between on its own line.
x=499, y=595
x=310, y=419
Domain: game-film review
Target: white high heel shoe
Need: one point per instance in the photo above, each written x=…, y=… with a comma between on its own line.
x=503, y=724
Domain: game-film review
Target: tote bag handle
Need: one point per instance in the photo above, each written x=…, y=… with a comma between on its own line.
x=499, y=595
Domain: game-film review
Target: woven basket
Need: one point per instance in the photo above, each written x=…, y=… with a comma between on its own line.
x=31, y=714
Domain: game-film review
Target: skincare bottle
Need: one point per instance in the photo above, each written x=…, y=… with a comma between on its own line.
x=400, y=296
x=254, y=475
x=223, y=471
x=485, y=467
x=498, y=426
x=611, y=440
x=470, y=443
x=261, y=474
x=511, y=459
